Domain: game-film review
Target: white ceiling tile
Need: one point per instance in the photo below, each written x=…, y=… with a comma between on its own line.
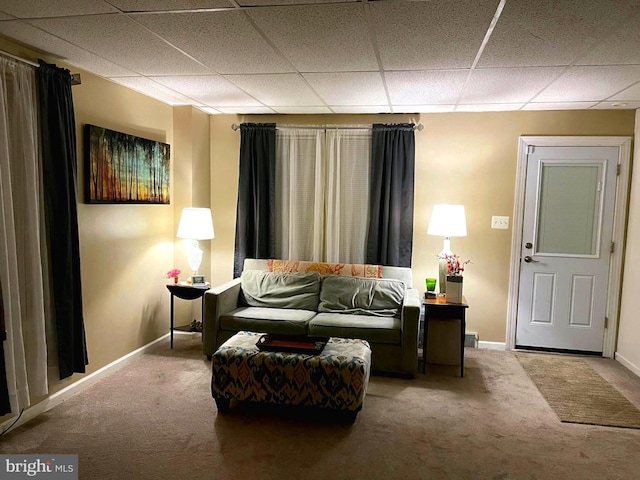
x=439, y=34
x=301, y=110
x=57, y=8
x=286, y=89
x=361, y=108
x=629, y=94
x=423, y=108
x=211, y=90
x=533, y=33
x=121, y=40
x=320, y=38
x=623, y=47
x=60, y=49
x=618, y=105
x=489, y=107
x=349, y=88
x=153, y=89
x=558, y=105
x=161, y=5
x=425, y=87
x=507, y=85
x=585, y=84
x=224, y=41
x=247, y=110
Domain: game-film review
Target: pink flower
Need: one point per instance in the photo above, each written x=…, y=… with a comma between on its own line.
x=173, y=273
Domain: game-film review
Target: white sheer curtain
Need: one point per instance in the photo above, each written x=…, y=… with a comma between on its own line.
x=20, y=251
x=322, y=194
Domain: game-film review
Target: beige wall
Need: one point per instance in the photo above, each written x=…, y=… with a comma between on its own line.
x=628, y=351
x=467, y=158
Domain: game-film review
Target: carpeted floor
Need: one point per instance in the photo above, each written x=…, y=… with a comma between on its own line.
x=577, y=393
x=155, y=419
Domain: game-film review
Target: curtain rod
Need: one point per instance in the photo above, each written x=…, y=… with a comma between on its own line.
x=75, y=77
x=20, y=59
x=236, y=127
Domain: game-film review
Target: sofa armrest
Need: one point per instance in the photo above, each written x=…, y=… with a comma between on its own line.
x=217, y=302
x=410, y=319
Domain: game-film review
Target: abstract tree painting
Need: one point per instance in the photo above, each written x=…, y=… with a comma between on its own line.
x=121, y=168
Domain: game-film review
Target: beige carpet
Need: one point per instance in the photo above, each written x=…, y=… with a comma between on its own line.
x=577, y=393
x=155, y=419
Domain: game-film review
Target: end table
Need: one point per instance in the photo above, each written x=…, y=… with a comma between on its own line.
x=186, y=292
x=439, y=308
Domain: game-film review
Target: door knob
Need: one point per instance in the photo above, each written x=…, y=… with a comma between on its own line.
x=529, y=259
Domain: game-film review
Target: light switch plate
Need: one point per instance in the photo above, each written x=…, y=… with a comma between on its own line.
x=500, y=222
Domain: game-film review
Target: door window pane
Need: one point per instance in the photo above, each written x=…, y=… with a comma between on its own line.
x=569, y=209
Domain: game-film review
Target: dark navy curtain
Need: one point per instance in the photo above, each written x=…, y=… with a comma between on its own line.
x=255, y=236
x=59, y=165
x=5, y=406
x=390, y=237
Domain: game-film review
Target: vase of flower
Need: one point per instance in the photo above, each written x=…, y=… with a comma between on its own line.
x=175, y=273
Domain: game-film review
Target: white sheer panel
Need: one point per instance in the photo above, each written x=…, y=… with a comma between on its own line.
x=347, y=204
x=322, y=194
x=299, y=194
x=20, y=257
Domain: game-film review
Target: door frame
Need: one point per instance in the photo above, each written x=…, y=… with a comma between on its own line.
x=619, y=228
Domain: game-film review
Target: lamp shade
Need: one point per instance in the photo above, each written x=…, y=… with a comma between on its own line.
x=196, y=224
x=448, y=221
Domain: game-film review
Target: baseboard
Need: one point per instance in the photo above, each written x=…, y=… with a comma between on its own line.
x=76, y=387
x=492, y=345
x=634, y=368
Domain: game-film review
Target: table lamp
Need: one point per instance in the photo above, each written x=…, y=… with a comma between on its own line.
x=195, y=224
x=447, y=221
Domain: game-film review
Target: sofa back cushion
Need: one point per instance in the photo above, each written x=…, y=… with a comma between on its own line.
x=363, y=296
x=280, y=290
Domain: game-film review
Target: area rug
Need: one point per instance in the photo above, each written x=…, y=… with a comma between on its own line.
x=577, y=393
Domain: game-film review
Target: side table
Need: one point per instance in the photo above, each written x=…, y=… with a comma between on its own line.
x=186, y=292
x=439, y=308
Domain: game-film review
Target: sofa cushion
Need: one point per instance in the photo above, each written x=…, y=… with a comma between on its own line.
x=362, y=296
x=268, y=320
x=280, y=290
x=365, y=327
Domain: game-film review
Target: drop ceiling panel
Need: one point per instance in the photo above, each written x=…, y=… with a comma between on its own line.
x=121, y=40
x=57, y=8
x=507, y=85
x=286, y=90
x=349, y=88
x=533, y=33
x=489, y=107
x=361, y=109
x=247, y=110
x=623, y=47
x=224, y=41
x=320, y=38
x=423, y=108
x=617, y=106
x=439, y=34
x=59, y=49
x=425, y=87
x=301, y=110
x=153, y=89
x=558, y=106
x=585, y=84
x=211, y=90
x=629, y=94
x=159, y=5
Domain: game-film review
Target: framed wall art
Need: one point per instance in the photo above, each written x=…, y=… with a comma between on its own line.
x=122, y=168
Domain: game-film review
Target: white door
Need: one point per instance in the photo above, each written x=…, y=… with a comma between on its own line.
x=566, y=244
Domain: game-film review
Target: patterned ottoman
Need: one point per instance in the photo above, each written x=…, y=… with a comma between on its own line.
x=335, y=379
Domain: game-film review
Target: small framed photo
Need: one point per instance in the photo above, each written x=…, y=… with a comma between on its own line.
x=197, y=279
